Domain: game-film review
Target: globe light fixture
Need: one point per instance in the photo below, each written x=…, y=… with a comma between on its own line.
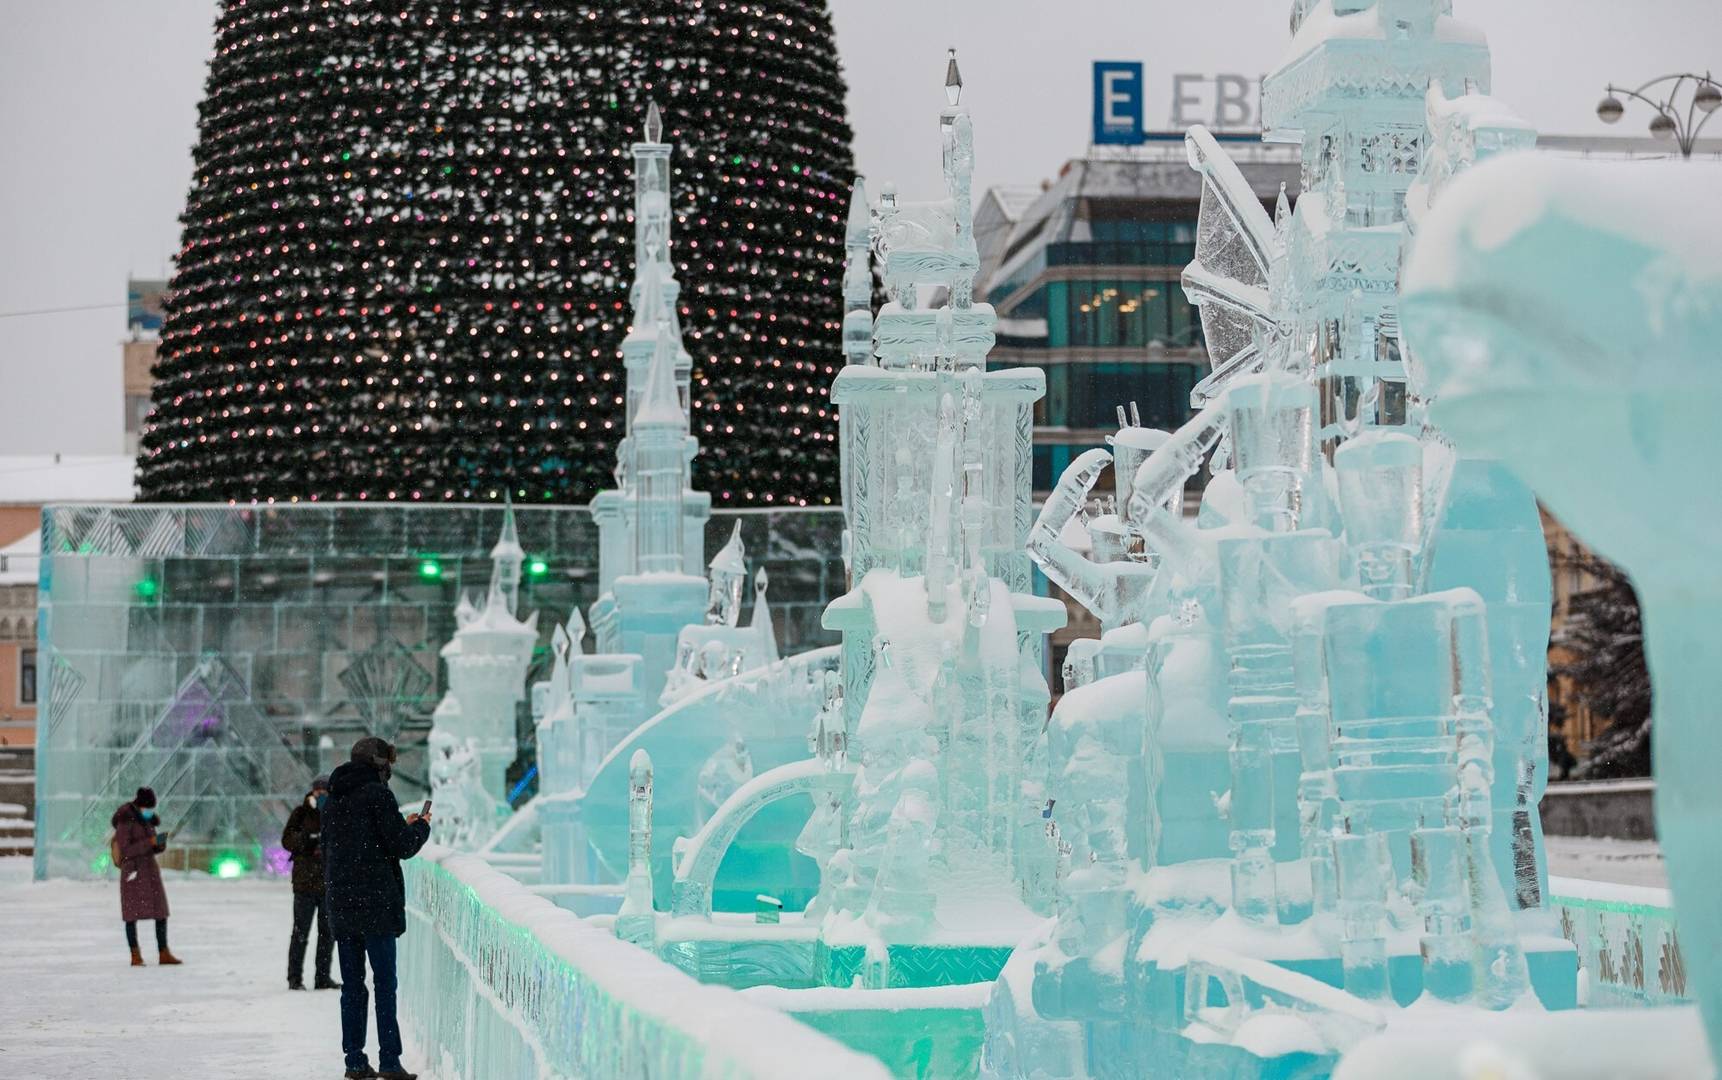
x=1611, y=109
x=1708, y=97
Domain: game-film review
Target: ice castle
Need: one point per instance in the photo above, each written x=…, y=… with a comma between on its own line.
x=1288, y=802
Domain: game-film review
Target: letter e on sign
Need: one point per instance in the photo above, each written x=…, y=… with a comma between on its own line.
x=1118, y=94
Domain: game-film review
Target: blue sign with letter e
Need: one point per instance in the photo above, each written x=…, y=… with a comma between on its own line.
x=1118, y=103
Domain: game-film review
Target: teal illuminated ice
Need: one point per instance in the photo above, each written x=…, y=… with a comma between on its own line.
x=1565, y=317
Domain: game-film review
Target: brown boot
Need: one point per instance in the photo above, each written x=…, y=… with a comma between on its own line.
x=137, y=958
x=168, y=959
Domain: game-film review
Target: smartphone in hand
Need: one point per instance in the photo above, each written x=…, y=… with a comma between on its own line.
x=424, y=811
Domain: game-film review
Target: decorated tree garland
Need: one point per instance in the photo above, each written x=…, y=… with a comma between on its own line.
x=406, y=249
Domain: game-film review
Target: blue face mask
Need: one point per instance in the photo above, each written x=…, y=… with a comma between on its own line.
x=147, y=815
x=321, y=799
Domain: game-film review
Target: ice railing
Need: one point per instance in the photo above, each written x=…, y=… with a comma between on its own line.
x=498, y=982
x=1628, y=941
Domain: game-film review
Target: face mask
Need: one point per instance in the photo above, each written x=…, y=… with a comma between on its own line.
x=147, y=815
x=319, y=801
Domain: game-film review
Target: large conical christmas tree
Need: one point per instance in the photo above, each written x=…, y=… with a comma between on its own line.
x=407, y=249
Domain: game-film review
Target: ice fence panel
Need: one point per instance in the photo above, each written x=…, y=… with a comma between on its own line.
x=498, y=983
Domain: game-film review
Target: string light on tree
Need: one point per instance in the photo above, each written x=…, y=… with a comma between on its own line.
x=407, y=250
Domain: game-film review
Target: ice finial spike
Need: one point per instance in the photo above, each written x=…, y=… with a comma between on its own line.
x=860, y=219
x=1282, y=209
x=1135, y=415
x=576, y=629
x=654, y=124
x=1123, y=418
x=953, y=79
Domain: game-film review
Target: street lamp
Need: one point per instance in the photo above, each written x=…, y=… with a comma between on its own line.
x=1703, y=96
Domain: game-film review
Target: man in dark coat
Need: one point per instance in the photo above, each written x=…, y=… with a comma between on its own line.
x=364, y=840
x=303, y=840
x=137, y=841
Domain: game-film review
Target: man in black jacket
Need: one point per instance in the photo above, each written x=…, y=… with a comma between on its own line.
x=303, y=840
x=364, y=840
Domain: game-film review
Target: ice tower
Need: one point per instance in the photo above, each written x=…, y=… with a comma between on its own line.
x=487, y=660
x=942, y=694
x=661, y=627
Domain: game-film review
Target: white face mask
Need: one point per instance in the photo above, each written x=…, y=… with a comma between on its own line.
x=311, y=801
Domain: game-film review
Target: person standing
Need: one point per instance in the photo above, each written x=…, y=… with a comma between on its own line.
x=364, y=840
x=303, y=840
x=137, y=841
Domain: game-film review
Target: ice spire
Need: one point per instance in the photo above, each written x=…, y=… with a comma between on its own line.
x=858, y=278
x=660, y=467
x=506, y=559
x=728, y=570
x=760, y=620
x=953, y=79
x=654, y=124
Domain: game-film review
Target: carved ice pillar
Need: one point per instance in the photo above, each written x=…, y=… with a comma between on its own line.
x=636, y=920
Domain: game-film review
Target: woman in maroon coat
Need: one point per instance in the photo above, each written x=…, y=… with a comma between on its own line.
x=142, y=896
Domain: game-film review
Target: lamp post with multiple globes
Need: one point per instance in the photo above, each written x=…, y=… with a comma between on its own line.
x=1690, y=103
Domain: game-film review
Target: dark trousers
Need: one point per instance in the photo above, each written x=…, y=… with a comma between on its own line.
x=304, y=907
x=380, y=950
x=160, y=934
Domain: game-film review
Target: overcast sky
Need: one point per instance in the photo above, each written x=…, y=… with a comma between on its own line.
x=98, y=110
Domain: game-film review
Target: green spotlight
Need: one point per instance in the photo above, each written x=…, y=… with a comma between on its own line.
x=537, y=567
x=430, y=569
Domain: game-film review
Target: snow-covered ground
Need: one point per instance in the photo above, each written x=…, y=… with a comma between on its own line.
x=72, y=1007
x=1601, y=858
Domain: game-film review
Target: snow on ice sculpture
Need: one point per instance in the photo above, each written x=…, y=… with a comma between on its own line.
x=487, y=660
x=1533, y=284
x=942, y=695
x=1335, y=649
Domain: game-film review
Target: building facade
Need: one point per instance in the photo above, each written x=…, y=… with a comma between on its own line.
x=1084, y=276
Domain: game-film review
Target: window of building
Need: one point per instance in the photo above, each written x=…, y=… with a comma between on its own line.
x=27, y=676
x=1120, y=314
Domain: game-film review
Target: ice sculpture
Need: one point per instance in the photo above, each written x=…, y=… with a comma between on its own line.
x=487, y=660
x=636, y=921
x=942, y=696
x=665, y=632
x=1315, y=798
x=467, y=813
x=1534, y=284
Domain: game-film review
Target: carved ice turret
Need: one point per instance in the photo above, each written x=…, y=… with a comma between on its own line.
x=487, y=660
x=941, y=632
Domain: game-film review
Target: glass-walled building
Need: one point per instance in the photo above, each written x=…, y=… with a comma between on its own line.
x=1084, y=274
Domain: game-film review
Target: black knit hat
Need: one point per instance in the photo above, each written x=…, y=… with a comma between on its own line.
x=373, y=751
x=145, y=798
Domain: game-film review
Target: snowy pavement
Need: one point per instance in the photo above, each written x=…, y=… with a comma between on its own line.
x=72, y=1007
x=1601, y=858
